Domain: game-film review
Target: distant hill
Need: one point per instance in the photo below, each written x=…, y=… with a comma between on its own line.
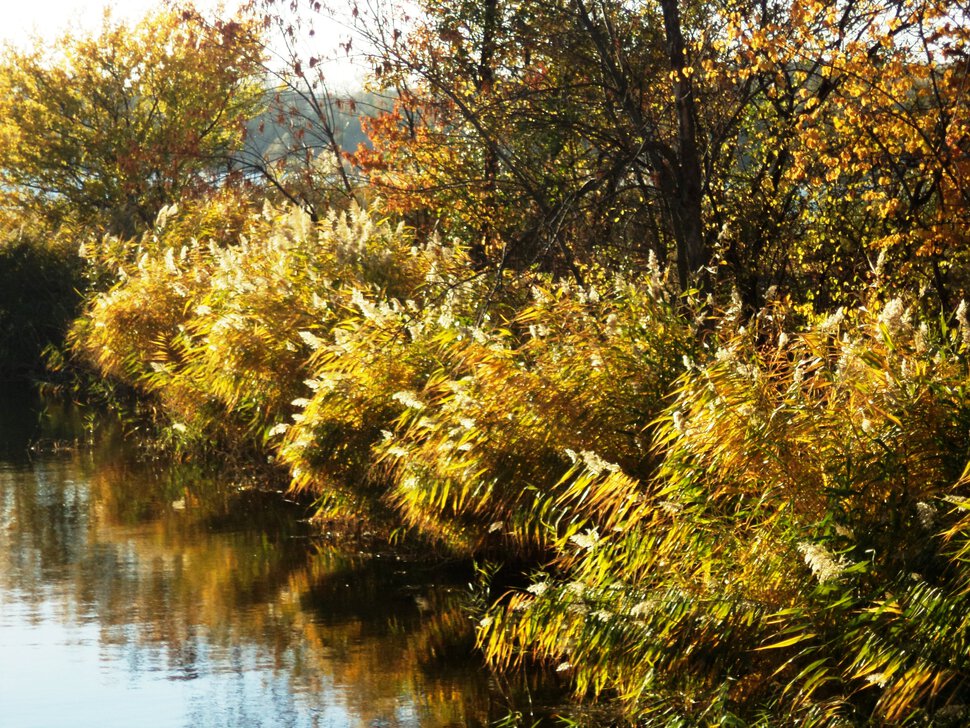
x=291, y=123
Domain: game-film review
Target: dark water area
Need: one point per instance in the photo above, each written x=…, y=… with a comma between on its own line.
x=151, y=594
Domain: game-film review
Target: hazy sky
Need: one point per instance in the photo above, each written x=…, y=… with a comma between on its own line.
x=49, y=18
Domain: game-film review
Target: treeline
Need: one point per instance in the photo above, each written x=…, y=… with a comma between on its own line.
x=663, y=301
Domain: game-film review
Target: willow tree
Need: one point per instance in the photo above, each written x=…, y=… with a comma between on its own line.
x=105, y=129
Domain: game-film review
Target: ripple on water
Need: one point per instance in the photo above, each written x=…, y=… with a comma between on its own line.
x=117, y=609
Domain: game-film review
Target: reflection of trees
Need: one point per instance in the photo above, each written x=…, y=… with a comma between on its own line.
x=228, y=584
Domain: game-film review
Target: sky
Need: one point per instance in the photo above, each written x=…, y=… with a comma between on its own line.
x=23, y=19
x=49, y=18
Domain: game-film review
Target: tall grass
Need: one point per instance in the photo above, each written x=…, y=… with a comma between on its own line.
x=576, y=373
x=761, y=521
x=213, y=320
x=792, y=560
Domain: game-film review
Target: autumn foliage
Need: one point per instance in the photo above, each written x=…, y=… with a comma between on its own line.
x=662, y=301
x=781, y=144
x=106, y=130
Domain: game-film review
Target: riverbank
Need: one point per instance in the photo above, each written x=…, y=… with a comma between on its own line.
x=748, y=487
x=160, y=587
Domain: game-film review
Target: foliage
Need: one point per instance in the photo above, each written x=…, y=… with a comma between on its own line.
x=744, y=512
x=578, y=373
x=383, y=349
x=110, y=128
x=40, y=279
x=766, y=522
x=767, y=144
x=227, y=301
x=788, y=562
x=858, y=132
x=518, y=129
x=376, y=340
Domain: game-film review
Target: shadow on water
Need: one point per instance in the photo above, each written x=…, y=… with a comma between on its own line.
x=137, y=593
x=30, y=425
x=20, y=419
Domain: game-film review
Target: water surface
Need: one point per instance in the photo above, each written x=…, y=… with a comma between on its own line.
x=146, y=594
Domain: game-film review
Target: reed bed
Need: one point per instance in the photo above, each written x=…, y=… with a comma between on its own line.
x=730, y=518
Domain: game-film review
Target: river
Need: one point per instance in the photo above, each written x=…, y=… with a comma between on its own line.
x=143, y=594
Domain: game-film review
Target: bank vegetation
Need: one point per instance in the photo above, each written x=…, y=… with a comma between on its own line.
x=662, y=303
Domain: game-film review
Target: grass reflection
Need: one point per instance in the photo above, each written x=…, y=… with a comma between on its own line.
x=191, y=578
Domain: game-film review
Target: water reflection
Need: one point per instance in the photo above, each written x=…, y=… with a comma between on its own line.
x=134, y=595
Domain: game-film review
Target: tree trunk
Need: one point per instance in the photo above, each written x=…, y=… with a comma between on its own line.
x=685, y=203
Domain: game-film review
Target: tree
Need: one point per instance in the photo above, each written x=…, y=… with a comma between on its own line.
x=573, y=125
x=757, y=144
x=857, y=132
x=107, y=129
